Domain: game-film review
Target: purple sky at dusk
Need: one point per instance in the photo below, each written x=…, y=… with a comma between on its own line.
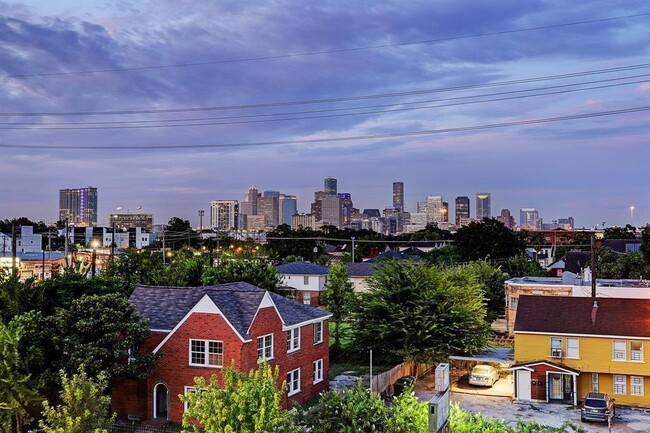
x=591, y=168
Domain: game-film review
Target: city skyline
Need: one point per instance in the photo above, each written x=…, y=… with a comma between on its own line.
x=419, y=93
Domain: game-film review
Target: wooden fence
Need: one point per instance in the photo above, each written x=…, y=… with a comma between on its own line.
x=382, y=383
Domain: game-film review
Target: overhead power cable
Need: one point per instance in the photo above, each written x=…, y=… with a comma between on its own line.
x=339, y=99
x=332, y=139
x=239, y=122
x=336, y=51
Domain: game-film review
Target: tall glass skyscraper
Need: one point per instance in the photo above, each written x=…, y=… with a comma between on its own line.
x=398, y=195
x=78, y=206
x=288, y=208
x=330, y=186
x=462, y=209
x=483, y=205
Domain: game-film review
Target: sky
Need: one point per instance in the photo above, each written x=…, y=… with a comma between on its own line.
x=543, y=104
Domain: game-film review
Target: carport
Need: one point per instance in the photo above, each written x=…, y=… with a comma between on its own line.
x=501, y=358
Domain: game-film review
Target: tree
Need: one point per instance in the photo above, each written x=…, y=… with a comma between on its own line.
x=338, y=299
x=611, y=264
x=445, y=256
x=488, y=239
x=491, y=281
x=246, y=403
x=84, y=407
x=645, y=245
x=17, y=388
x=419, y=312
x=627, y=232
x=522, y=266
x=259, y=273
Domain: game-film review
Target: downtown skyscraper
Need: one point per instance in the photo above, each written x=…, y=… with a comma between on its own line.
x=462, y=209
x=78, y=206
x=398, y=195
x=483, y=205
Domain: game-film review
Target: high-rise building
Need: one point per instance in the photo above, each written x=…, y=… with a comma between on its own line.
x=393, y=220
x=346, y=207
x=398, y=195
x=330, y=186
x=566, y=223
x=372, y=213
x=434, y=209
x=462, y=209
x=331, y=211
x=224, y=214
x=445, y=212
x=529, y=219
x=125, y=221
x=506, y=218
x=78, y=206
x=303, y=221
x=269, y=206
x=288, y=208
x=317, y=205
x=483, y=205
x=249, y=206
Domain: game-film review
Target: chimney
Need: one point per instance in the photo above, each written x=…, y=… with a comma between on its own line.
x=594, y=311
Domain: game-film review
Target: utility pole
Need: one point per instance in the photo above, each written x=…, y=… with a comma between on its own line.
x=66, y=242
x=593, y=265
x=164, y=253
x=201, y=213
x=14, y=268
x=113, y=241
x=352, y=249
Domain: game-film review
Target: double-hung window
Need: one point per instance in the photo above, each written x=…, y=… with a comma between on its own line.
x=318, y=371
x=636, y=351
x=618, y=351
x=636, y=385
x=206, y=353
x=620, y=384
x=188, y=390
x=572, y=348
x=594, y=382
x=556, y=347
x=265, y=346
x=293, y=340
x=305, y=280
x=318, y=332
x=293, y=382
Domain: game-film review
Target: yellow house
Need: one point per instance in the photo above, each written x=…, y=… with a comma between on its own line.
x=566, y=347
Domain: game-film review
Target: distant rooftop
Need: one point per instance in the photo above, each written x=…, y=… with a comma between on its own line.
x=569, y=279
x=301, y=268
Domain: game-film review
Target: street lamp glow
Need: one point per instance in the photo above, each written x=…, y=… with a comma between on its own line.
x=632, y=215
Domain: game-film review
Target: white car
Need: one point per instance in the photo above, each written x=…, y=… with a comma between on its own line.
x=483, y=375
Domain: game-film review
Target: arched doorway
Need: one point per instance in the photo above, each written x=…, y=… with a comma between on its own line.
x=160, y=401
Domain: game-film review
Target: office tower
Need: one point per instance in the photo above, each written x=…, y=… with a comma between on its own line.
x=288, y=208
x=393, y=220
x=331, y=211
x=566, y=223
x=506, y=218
x=269, y=206
x=78, y=206
x=249, y=206
x=372, y=213
x=398, y=195
x=330, y=186
x=317, y=205
x=125, y=221
x=303, y=221
x=224, y=214
x=483, y=205
x=434, y=209
x=346, y=207
x=445, y=212
x=462, y=209
x=529, y=219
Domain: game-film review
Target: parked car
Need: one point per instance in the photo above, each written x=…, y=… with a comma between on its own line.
x=401, y=384
x=597, y=407
x=483, y=375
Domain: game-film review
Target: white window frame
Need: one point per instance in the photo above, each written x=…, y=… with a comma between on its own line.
x=594, y=382
x=206, y=353
x=577, y=348
x=293, y=340
x=293, y=377
x=620, y=381
x=636, y=386
x=638, y=354
x=514, y=300
x=305, y=280
x=556, y=346
x=318, y=332
x=264, y=347
x=306, y=298
x=187, y=390
x=620, y=353
x=318, y=371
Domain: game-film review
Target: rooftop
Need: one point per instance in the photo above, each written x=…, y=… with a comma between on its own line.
x=301, y=268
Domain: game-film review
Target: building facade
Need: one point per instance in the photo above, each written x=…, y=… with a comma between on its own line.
x=462, y=209
x=125, y=221
x=307, y=279
x=330, y=186
x=483, y=205
x=78, y=206
x=506, y=218
x=331, y=211
x=303, y=220
x=224, y=214
x=288, y=208
x=398, y=195
x=529, y=219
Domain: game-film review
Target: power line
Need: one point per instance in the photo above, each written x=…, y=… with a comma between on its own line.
x=338, y=99
x=334, y=139
x=239, y=122
x=337, y=51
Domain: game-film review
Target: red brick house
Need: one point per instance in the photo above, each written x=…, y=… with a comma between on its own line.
x=199, y=330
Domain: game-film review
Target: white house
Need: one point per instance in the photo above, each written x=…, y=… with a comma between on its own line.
x=306, y=278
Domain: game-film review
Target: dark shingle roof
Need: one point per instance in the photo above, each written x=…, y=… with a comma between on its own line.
x=393, y=255
x=164, y=307
x=573, y=315
x=574, y=261
x=302, y=268
x=622, y=245
x=364, y=269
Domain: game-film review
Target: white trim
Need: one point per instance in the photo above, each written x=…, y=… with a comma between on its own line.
x=545, y=363
x=292, y=331
x=263, y=337
x=579, y=335
x=306, y=322
x=295, y=391
x=205, y=305
x=160, y=330
x=521, y=367
x=266, y=302
x=321, y=364
x=185, y=392
x=206, y=353
x=155, y=406
x=322, y=332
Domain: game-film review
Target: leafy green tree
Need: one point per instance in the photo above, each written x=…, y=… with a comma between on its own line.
x=185, y=269
x=645, y=246
x=338, y=298
x=491, y=281
x=246, y=403
x=15, y=297
x=522, y=266
x=611, y=264
x=17, y=388
x=259, y=273
x=283, y=242
x=134, y=267
x=419, y=312
x=488, y=239
x=408, y=414
x=445, y=256
x=84, y=407
x=627, y=232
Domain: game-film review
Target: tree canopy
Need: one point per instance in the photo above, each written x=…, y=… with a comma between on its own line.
x=338, y=298
x=259, y=273
x=488, y=239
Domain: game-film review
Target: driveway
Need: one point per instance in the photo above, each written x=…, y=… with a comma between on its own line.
x=501, y=388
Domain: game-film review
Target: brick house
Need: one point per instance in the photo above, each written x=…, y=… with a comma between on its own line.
x=305, y=280
x=199, y=330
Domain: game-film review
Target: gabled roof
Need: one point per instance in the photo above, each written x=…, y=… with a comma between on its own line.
x=622, y=245
x=577, y=315
x=393, y=255
x=530, y=364
x=301, y=268
x=166, y=307
x=364, y=269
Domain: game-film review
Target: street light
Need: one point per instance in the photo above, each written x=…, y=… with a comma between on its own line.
x=94, y=244
x=632, y=215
